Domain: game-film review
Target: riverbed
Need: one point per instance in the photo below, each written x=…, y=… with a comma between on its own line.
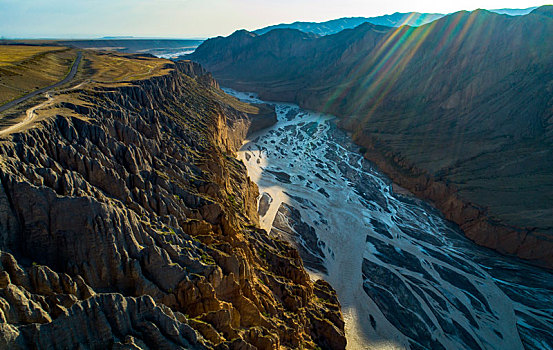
x=406, y=278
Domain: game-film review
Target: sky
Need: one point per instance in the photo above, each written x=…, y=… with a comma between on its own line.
x=198, y=18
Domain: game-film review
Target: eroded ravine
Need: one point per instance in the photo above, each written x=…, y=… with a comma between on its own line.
x=405, y=277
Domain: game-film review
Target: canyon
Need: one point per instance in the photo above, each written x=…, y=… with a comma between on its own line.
x=350, y=187
x=458, y=111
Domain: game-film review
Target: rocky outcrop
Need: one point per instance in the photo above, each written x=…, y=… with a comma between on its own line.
x=127, y=222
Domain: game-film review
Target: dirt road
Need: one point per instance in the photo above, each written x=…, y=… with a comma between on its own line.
x=67, y=79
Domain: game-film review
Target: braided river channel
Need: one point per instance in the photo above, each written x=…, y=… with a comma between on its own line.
x=406, y=278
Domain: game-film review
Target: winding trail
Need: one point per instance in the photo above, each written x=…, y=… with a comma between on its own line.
x=67, y=79
x=30, y=115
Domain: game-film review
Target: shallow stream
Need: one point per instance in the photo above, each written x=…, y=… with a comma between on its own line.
x=405, y=277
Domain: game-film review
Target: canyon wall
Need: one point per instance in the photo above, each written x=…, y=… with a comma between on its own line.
x=127, y=222
x=473, y=219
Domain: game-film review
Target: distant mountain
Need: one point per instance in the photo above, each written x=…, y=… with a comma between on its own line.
x=336, y=25
x=397, y=19
x=459, y=110
x=118, y=37
x=514, y=12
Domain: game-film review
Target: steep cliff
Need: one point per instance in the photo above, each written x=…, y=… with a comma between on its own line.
x=126, y=222
x=459, y=111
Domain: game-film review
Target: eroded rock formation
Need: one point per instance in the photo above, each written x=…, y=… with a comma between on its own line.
x=126, y=222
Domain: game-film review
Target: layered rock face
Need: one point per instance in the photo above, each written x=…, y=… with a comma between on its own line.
x=459, y=111
x=126, y=223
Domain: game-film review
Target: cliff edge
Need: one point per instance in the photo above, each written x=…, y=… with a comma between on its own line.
x=126, y=222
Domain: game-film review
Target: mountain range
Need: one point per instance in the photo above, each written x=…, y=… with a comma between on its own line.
x=459, y=110
x=336, y=25
x=397, y=19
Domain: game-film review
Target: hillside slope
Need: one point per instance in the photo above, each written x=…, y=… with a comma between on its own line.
x=126, y=222
x=39, y=65
x=459, y=111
